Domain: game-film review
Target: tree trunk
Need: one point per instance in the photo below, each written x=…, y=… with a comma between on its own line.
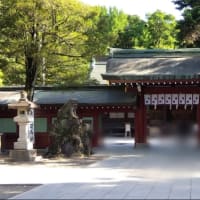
x=31, y=76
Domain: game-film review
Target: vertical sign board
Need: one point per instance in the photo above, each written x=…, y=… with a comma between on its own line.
x=31, y=134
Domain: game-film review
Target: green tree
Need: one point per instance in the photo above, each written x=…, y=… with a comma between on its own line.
x=107, y=23
x=158, y=31
x=1, y=78
x=162, y=30
x=133, y=35
x=189, y=26
x=40, y=36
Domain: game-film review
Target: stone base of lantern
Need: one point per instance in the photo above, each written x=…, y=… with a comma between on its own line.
x=20, y=155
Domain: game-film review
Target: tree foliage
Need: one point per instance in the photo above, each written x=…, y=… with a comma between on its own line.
x=133, y=34
x=190, y=25
x=43, y=35
x=162, y=30
x=50, y=42
x=107, y=23
x=158, y=31
x=1, y=77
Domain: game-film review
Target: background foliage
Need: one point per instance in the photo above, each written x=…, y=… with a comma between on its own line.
x=51, y=42
x=189, y=26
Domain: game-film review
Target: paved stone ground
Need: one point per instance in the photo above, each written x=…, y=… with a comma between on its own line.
x=13, y=188
x=156, y=172
x=8, y=191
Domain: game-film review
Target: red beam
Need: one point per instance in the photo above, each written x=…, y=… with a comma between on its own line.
x=156, y=81
x=167, y=89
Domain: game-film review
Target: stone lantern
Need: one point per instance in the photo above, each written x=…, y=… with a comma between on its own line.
x=23, y=148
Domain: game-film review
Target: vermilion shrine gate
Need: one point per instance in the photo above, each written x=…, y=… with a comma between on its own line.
x=166, y=81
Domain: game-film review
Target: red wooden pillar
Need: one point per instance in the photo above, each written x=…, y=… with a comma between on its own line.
x=198, y=123
x=140, y=122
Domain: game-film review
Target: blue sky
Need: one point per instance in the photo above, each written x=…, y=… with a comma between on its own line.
x=139, y=7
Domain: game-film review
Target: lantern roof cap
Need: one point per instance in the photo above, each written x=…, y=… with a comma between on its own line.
x=22, y=103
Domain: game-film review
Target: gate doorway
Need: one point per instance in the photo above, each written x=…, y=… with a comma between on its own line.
x=117, y=124
x=174, y=125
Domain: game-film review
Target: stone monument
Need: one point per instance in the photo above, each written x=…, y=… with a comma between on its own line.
x=70, y=136
x=23, y=148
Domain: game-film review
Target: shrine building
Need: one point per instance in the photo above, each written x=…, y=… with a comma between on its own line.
x=148, y=90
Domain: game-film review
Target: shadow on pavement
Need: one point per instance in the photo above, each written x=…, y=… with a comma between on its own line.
x=9, y=190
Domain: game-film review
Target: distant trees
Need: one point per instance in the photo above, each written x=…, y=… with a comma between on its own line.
x=159, y=31
x=189, y=26
x=106, y=25
x=162, y=30
x=133, y=35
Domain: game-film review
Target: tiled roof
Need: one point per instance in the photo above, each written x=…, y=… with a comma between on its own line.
x=147, y=53
x=149, y=64
x=101, y=95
